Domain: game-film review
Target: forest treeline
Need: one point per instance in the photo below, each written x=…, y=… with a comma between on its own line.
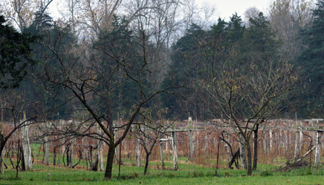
x=110, y=64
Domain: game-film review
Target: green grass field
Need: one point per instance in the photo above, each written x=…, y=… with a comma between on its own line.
x=189, y=174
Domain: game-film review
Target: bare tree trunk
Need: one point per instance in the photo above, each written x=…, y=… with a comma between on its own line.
x=255, y=146
x=242, y=144
x=228, y=157
x=110, y=160
x=54, y=156
x=146, y=162
x=1, y=142
x=249, y=156
x=1, y=162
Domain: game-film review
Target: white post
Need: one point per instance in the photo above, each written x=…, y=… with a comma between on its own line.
x=190, y=139
x=297, y=148
x=265, y=143
x=206, y=146
x=139, y=153
x=174, y=152
x=71, y=153
x=62, y=123
x=26, y=146
x=46, y=145
x=314, y=137
x=318, y=147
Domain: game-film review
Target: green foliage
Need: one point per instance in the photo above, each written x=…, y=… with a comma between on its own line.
x=119, y=59
x=312, y=66
x=54, y=99
x=258, y=41
x=185, y=62
x=15, y=54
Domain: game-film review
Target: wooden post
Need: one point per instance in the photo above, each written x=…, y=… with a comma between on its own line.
x=139, y=153
x=297, y=148
x=26, y=146
x=46, y=145
x=270, y=139
x=71, y=154
x=265, y=143
x=161, y=154
x=190, y=139
x=301, y=134
x=314, y=137
x=174, y=152
x=85, y=150
x=318, y=147
x=216, y=172
x=206, y=146
x=286, y=140
x=120, y=162
x=116, y=137
x=100, y=150
x=62, y=123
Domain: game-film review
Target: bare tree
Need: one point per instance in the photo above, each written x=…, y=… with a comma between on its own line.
x=287, y=17
x=92, y=80
x=13, y=103
x=150, y=131
x=253, y=92
x=250, y=13
x=21, y=12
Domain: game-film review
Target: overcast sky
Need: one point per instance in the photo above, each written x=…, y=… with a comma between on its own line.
x=225, y=8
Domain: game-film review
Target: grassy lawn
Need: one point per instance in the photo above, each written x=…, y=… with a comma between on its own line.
x=189, y=174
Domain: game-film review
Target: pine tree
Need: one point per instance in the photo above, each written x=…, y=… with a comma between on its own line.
x=311, y=62
x=15, y=55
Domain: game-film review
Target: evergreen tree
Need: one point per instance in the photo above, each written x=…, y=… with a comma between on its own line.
x=258, y=42
x=311, y=62
x=15, y=55
x=117, y=48
x=185, y=61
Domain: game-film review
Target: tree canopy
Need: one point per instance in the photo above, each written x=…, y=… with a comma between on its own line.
x=15, y=54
